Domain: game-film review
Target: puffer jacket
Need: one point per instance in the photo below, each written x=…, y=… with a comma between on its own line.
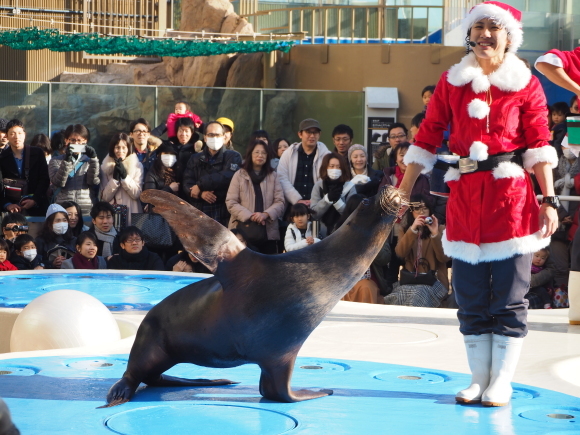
x=126, y=191
x=74, y=185
x=241, y=200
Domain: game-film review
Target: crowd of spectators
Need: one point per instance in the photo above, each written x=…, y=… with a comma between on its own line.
x=279, y=197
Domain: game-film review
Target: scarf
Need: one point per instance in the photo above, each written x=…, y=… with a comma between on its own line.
x=399, y=175
x=536, y=269
x=81, y=262
x=331, y=216
x=169, y=176
x=257, y=178
x=354, y=174
x=107, y=239
x=133, y=261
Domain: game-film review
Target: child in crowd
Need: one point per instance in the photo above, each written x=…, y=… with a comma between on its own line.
x=541, y=289
x=557, y=122
x=182, y=110
x=25, y=256
x=299, y=232
x=415, y=125
x=13, y=225
x=5, y=265
x=426, y=95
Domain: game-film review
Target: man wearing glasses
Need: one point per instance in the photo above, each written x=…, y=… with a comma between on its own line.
x=209, y=173
x=299, y=167
x=145, y=144
x=384, y=158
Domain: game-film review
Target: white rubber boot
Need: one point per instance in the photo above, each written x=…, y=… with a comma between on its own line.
x=574, y=298
x=478, y=349
x=505, y=353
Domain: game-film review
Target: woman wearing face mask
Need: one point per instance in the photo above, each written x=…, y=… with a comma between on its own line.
x=331, y=192
x=165, y=172
x=255, y=195
x=122, y=175
x=55, y=233
x=86, y=254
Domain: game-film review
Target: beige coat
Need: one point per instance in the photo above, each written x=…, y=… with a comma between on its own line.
x=126, y=191
x=432, y=248
x=241, y=200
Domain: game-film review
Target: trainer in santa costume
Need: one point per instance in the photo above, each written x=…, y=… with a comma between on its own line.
x=498, y=118
x=563, y=68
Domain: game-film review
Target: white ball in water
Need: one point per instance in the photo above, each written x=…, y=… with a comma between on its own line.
x=63, y=319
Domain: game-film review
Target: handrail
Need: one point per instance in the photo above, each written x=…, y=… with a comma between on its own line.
x=375, y=24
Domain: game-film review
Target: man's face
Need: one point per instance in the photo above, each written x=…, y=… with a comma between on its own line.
x=309, y=137
x=3, y=139
x=342, y=142
x=16, y=136
x=104, y=221
x=396, y=136
x=140, y=134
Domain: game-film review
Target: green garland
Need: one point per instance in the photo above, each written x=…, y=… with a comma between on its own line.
x=33, y=38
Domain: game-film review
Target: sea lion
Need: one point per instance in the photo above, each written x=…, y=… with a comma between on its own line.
x=256, y=308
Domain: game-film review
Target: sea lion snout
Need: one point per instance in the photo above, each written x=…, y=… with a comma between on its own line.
x=391, y=199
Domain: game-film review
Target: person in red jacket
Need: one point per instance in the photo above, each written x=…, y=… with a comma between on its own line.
x=5, y=265
x=497, y=115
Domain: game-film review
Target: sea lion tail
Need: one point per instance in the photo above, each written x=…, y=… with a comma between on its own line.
x=172, y=381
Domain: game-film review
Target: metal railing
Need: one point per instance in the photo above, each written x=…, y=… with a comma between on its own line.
x=353, y=23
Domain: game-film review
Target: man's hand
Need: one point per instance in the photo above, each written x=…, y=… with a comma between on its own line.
x=208, y=196
x=14, y=208
x=195, y=191
x=28, y=203
x=548, y=220
x=304, y=201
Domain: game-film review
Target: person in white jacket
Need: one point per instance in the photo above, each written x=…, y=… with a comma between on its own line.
x=299, y=232
x=299, y=166
x=122, y=175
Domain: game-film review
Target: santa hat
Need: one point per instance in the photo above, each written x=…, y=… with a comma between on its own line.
x=506, y=16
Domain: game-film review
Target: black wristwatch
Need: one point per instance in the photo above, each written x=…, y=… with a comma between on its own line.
x=552, y=201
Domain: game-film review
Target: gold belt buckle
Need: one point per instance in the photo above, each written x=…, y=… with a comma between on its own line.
x=467, y=165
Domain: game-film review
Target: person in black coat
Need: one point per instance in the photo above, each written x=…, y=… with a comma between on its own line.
x=208, y=174
x=165, y=172
x=13, y=166
x=134, y=255
x=103, y=216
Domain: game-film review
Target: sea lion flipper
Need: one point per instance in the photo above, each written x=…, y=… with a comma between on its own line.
x=172, y=381
x=275, y=384
x=201, y=236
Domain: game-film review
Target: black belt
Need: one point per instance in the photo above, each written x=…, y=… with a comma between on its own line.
x=467, y=165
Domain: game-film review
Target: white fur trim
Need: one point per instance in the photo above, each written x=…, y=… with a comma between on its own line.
x=471, y=253
x=512, y=75
x=547, y=154
x=508, y=170
x=452, y=174
x=420, y=156
x=499, y=16
x=478, y=109
x=478, y=151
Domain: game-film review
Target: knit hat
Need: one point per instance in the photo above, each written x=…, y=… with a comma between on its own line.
x=355, y=147
x=506, y=16
x=55, y=208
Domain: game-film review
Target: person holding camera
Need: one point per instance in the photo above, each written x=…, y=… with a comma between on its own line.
x=423, y=281
x=496, y=110
x=74, y=173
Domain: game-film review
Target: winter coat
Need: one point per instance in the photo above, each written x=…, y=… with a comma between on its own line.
x=287, y=169
x=319, y=203
x=38, y=180
x=71, y=184
x=22, y=263
x=241, y=200
x=210, y=174
x=43, y=246
x=144, y=260
x=293, y=239
x=491, y=215
x=68, y=264
x=432, y=251
x=154, y=181
x=126, y=191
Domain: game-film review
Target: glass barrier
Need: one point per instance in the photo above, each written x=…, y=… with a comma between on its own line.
x=27, y=101
x=104, y=109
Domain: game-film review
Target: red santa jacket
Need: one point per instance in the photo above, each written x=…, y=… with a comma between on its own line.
x=491, y=215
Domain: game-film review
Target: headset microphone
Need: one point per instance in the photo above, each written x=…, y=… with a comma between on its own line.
x=473, y=44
